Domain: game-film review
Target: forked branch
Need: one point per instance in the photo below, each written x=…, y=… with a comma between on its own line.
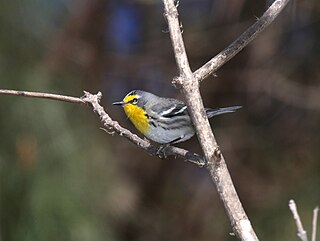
x=188, y=83
x=302, y=233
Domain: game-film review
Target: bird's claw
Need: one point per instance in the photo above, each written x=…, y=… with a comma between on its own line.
x=161, y=151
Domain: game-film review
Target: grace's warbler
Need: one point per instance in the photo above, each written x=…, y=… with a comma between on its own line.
x=163, y=120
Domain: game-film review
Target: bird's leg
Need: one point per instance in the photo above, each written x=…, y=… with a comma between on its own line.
x=161, y=150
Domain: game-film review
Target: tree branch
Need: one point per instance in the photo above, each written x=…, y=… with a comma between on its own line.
x=188, y=82
x=302, y=234
x=242, y=41
x=216, y=164
x=43, y=96
x=111, y=125
x=314, y=223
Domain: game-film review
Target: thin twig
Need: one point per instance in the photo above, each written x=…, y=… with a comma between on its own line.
x=242, y=41
x=314, y=223
x=42, y=96
x=111, y=125
x=302, y=234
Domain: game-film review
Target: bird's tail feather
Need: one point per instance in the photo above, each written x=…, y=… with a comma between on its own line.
x=220, y=111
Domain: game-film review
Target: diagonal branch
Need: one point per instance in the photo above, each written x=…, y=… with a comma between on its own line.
x=242, y=41
x=302, y=234
x=111, y=125
x=215, y=161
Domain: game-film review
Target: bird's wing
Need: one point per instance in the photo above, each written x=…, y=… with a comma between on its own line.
x=170, y=108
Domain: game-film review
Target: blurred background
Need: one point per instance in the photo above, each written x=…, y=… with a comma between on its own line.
x=62, y=178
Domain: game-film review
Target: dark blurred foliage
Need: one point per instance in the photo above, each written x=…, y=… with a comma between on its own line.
x=62, y=178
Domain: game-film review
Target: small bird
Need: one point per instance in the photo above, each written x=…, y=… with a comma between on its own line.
x=163, y=120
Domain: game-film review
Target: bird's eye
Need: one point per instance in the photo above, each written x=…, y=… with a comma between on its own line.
x=134, y=101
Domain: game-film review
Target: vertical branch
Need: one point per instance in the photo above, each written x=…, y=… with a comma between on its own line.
x=171, y=14
x=216, y=165
x=314, y=223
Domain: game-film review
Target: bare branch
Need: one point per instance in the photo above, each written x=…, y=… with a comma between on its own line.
x=215, y=161
x=244, y=39
x=42, y=95
x=111, y=125
x=314, y=223
x=302, y=234
x=171, y=14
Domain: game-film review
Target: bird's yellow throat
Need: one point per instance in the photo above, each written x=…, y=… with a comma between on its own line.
x=136, y=114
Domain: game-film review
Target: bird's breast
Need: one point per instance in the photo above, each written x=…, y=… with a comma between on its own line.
x=137, y=116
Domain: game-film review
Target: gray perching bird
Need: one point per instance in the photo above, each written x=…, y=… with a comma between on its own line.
x=163, y=120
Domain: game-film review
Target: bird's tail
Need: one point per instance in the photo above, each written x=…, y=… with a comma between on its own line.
x=220, y=111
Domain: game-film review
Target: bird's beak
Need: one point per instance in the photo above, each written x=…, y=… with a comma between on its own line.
x=119, y=103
